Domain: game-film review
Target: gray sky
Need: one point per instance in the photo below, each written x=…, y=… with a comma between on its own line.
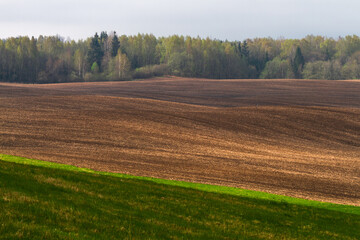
x=221, y=19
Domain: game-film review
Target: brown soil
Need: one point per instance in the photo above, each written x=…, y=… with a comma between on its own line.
x=294, y=137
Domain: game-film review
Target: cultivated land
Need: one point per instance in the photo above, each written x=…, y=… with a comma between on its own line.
x=294, y=137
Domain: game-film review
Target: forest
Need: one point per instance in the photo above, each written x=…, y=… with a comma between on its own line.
x=109, y=57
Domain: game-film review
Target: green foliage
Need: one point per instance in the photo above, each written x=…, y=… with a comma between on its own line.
x=54, y=201
x=288, y=48
x=298, y=63
x=262, y=50
x=244, y=49
x=314, y=48
x=178, y=63
x=351, y=69
x=315, y=70
x=323, y=70
x=95, y=53
x=79, y=63
x=346, y=47
x=115, y=45
x=277, y=69
x=151, y=71
x=95, y=68
x=51, y=59
x=119, y=67
x=328, y=48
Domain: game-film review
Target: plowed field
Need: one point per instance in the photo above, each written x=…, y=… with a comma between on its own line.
x=294, y=137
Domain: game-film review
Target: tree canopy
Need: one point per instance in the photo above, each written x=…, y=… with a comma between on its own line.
x=112, y=57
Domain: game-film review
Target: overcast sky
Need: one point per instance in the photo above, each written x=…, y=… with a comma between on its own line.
x=221, y=19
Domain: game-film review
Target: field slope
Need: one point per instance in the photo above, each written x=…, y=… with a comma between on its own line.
x=54, y=201
x=298, y=138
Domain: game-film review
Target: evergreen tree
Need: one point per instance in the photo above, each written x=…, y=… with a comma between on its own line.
x=50, y=59
x=34, y=59
x=103, y=37
x=104, y=42
x=298, y=63
x=239, y=48
x=245, y=49
x=95, y=52
x=115, y=45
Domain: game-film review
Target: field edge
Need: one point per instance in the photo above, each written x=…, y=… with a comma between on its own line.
x=197, y=186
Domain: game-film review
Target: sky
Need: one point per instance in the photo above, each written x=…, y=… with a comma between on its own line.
x=217, y=19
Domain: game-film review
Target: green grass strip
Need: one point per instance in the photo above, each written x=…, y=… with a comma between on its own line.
x=202, y=187
x=43, y=200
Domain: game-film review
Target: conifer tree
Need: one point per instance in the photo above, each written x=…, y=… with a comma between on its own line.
x=239, y=48
x=245, y=49
x=95, y=52
x=103, y=37
x=298, y=63
x=115, y=45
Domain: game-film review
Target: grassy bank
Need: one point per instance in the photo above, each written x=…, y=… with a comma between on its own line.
x=52, y=201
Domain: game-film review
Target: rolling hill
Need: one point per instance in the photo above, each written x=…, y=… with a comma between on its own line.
x=293, y=137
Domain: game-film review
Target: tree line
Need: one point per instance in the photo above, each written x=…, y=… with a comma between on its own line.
x=111, y=57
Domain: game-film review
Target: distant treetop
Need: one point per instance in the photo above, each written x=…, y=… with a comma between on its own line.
x=52, y=59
